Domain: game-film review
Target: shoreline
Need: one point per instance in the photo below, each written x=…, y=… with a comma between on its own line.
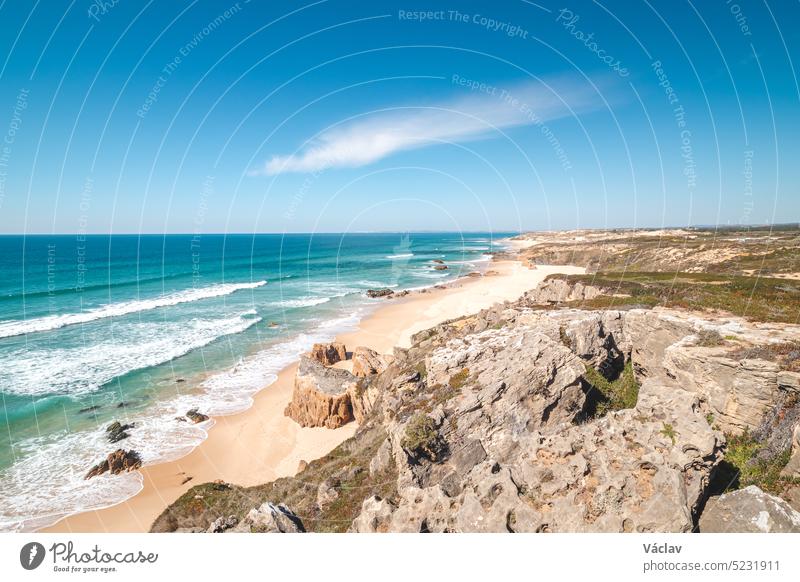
x=260, y=444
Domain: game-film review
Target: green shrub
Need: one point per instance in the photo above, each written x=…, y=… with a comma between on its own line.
x=617, y=394
x=421, y=437
x=744, y=468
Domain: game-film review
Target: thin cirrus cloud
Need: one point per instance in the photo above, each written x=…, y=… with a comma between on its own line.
x=376, y=135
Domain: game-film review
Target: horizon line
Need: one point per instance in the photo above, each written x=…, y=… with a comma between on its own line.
x=424, y=231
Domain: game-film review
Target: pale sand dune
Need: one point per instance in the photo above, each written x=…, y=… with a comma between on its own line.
x=261, y=444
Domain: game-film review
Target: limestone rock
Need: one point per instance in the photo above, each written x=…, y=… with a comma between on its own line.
x=375, y=516
x=270, y=518
x=792, y=468
x=749, y=510
x=644, y=469
x=560, y=290
x=320, y=396
x=378, y=293
x=328, y=492
x=789, y=381
x=523, y=392
x=649, y=334
x=329, y=354
x=119, y=461
x=367, y=362
x=740, y=392
x=223, y=524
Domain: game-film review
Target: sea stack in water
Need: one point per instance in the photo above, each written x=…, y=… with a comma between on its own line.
x=120, y=461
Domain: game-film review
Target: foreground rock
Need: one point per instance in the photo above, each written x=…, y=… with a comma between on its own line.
x=270, y=518
x=320, y=396
x=120, y=461
x=329, y=354
x=378, y=293
x=643, y=470
x=367, y=362
x=749, y=510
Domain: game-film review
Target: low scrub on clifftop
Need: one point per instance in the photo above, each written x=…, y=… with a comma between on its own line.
x=345, y=470
x=756, y=298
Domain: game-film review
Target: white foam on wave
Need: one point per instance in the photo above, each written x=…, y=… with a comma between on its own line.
x=47, y=483
x=302, y=302
x=12, y=328
x=80, y=370
x=377, y=285
x=482, y=259
x=400, y=256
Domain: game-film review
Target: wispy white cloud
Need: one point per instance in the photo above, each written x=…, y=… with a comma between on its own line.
x=479, y=115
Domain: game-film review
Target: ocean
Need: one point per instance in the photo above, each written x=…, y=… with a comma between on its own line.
x=141, y=329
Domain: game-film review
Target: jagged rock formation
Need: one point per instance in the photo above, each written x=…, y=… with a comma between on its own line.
x=367, y=362
x=195, y=416
x=329, y=354
x=116, y=431
x=119, y=461
x=321, y=395
x=749, y=510
x=269, y=518
x=620, y=474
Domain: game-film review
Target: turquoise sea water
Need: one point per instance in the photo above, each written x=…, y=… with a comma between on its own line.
x=143, y=328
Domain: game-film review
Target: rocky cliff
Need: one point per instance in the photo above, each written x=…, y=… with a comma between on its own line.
x=528, y=418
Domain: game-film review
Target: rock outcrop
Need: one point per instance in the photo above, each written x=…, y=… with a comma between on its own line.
x=195, y=416
x=329, y=354
x=792, y=468
x=320, y=396
x=749, y=510
x=739, y=392
x=116, y=431
x=269, y=518
x=120, y=461
x=367, y=362
x=644, y=469
x=378, y=293
x=561, y=291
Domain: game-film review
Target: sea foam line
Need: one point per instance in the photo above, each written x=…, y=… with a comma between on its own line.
x=51, y=322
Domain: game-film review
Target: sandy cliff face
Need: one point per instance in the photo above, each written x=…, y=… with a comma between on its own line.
x=320, y=396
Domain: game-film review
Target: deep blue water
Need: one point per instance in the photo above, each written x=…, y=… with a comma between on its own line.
x=142, y=328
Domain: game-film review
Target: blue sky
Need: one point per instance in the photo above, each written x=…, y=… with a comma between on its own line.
x=341, y=116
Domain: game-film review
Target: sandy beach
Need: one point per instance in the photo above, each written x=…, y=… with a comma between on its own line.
x=261, y=444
